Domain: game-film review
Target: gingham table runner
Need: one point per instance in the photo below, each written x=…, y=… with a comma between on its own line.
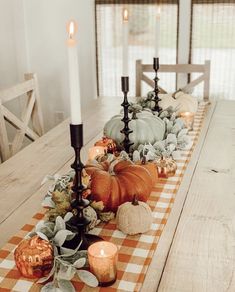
x=135, y=252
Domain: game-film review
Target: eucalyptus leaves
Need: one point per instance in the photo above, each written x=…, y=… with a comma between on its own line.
x=68, y=263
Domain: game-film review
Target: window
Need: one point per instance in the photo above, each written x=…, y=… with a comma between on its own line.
x=213, y=38
x=141, y=41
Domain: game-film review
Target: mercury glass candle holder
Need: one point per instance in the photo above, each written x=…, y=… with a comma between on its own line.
x=94, y=151
x=188, y=119
x=102, y=257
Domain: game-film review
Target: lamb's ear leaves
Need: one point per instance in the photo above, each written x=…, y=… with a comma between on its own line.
x=79, y=263
x=68, y=216
x=59, y=224
x=42, y=235
x=66, y=286
x=88, y=278
x=49, y=287
x=61, y=236
x=66, y=272
x=48, y=203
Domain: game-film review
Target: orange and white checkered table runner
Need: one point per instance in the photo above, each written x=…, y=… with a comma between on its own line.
x=135, y=252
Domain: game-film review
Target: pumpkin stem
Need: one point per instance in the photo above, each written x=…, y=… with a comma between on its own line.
x=135, y=201
x=134, y=115
x=143, y=161
x=174, y=94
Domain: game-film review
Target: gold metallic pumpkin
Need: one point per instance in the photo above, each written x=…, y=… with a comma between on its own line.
x=166, y=167
x=108, y=143
x=34, y=257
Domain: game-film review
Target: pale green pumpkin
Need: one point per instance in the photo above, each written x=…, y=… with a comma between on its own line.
x=146, y=127
x=181, y=101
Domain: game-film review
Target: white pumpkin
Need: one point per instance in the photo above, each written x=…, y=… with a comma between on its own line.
x=134, y=217
x=146, y=127
x=182, y=102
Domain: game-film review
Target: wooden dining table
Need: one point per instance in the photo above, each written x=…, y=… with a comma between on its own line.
x=196, y=251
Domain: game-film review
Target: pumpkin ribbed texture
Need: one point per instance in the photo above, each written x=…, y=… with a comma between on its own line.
x=182, y=102
x=118, y=182
x=146, y=127
x=133, y=219
x=151, y=167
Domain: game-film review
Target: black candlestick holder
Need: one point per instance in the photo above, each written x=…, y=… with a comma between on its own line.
x=126, y=130
x=78, y=223
x=156, y=98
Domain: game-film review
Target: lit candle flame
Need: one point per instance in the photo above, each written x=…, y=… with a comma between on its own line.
x=71, y=29
x=125, y=15
x=102, y=252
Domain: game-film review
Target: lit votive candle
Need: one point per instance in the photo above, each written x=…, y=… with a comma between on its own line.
x=188, y=118
x=102, y=257
x=95, y=151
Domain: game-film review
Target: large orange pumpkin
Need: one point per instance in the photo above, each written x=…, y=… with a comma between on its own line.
x=117, y=182
x=151, y=167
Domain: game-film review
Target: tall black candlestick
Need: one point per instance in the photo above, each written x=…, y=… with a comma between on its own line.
x=126, y=130
x=156, y=98
x=78, y=223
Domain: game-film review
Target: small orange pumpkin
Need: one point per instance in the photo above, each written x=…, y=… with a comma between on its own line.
x=108, y=143
x=34, y=257
x=117, y=182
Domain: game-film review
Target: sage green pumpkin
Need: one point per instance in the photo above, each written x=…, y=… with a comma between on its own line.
x=146, y=127
x=181, y=101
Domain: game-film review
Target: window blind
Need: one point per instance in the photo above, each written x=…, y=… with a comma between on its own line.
x=142, y=17
x=213, y=38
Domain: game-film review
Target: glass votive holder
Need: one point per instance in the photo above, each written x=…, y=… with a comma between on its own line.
x=103, y=257
x=94, y=151
x=188, y=119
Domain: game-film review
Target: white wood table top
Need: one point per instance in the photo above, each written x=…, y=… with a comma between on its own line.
x=196, y=251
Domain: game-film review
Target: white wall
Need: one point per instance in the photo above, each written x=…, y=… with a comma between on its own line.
x=46, y=35
x=12, y=42
x=33, y=37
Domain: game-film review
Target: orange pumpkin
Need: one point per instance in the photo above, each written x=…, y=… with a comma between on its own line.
x=151, y=167
x=34, y=257
x=117, y=182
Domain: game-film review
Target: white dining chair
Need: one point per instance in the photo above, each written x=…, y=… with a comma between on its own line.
x=204, y=77
x=30, y=114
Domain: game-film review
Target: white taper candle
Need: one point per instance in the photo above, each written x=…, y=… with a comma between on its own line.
x=157, y=32
x=75, y=98
x=125, y=61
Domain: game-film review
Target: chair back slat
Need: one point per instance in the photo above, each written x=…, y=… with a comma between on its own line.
x=30, y=112
x=141, y=69
x=17, y=90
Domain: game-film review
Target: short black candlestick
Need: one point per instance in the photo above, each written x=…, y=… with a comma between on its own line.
x=126, y=130
x=78, y=223
x=156, y=98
